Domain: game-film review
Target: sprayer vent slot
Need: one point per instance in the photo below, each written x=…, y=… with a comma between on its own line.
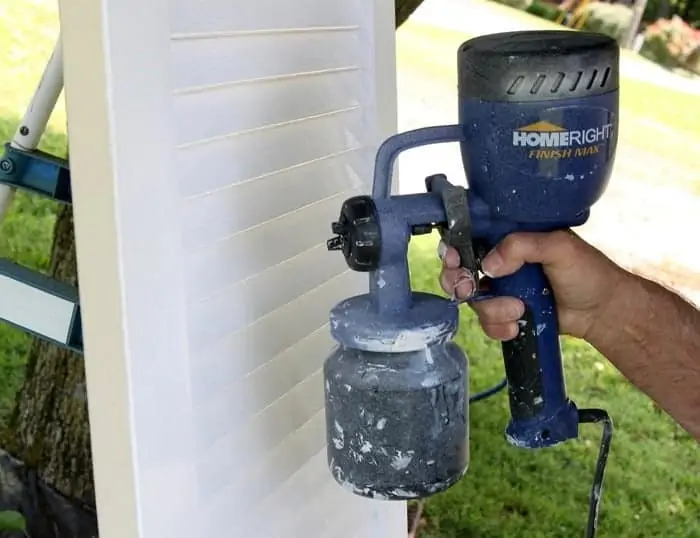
x=577, y=80
x=557, y=82
x=513, y=89
x=538, y=84
x=592, y=80
x=606, y=75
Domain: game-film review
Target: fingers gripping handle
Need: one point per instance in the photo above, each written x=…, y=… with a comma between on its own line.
x=541, y=413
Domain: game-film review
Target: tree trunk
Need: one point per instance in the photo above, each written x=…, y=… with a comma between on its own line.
x=637, y=12
x=404, y=9
x=49, y=430
x=46, y=473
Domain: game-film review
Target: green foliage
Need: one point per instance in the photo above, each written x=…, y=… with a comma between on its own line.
x=544, y=10
x=672, y=43
x=688, y=10
x=610, y=19
x=655, y=9
x=517, y=4
x=11, y=521
x=651, y=489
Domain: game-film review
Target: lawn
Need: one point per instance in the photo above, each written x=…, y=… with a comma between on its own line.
x=508, y=492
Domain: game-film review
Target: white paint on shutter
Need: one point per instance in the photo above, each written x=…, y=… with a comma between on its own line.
x=275, y=126
x=212, y=144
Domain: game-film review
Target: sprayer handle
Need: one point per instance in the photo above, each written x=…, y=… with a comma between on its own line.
x=394, y=145
x=541, y=413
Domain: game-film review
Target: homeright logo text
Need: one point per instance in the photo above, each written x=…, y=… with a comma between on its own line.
x=549, y=141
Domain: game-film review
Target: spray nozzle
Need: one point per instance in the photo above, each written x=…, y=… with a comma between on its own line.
x=357, y=234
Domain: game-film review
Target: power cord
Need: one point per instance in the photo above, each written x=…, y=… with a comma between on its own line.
x=585, y=416
x=489, y=392
x=590, y=416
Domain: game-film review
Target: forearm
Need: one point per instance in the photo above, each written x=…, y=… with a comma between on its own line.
x=653, y=337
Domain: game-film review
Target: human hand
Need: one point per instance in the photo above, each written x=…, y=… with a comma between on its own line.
x=583, y=280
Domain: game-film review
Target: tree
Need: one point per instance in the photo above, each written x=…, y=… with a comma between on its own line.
x=49, y=430
x=637, y=12
x=404, y=9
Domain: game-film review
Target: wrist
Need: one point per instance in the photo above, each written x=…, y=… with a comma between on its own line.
x=624, y=315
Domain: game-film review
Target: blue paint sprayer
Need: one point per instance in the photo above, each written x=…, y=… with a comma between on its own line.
x=538, y=124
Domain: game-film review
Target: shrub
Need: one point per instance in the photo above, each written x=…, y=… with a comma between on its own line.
x=610, y=19
x=658, y=8
x=672, y=43
x=544, y=10
x=688, y=10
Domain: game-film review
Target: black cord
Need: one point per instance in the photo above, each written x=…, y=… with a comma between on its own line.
x=489, y=392
x=590, y=416
x=585, y=416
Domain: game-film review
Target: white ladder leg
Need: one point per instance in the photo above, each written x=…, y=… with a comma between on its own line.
x=29, y=300
x=37, y=114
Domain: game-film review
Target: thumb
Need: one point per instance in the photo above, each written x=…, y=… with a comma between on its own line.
x=526, y=247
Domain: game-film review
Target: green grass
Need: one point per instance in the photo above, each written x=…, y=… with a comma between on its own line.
x=652, y=486
x=27, y=33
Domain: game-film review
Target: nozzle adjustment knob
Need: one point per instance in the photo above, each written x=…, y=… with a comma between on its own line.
x=357, y=234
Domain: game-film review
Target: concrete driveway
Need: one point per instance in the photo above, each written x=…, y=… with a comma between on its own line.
x=641, y=222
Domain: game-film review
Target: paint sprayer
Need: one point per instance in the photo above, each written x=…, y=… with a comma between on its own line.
x=538, y=118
